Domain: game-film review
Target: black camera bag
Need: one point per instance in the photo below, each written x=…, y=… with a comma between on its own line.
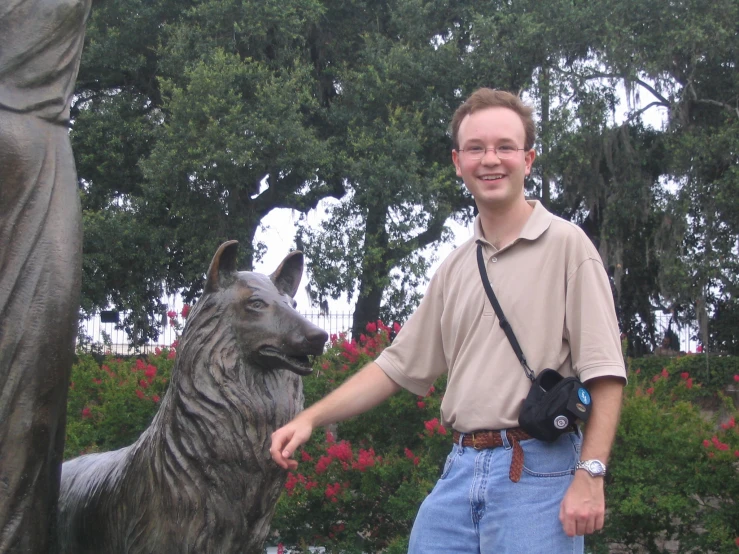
x=554, y=403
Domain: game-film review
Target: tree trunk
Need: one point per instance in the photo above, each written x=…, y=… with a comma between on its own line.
x=374, y=271
x=545, y=179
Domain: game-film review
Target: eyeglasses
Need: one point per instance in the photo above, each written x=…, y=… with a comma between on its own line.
x=503, y=152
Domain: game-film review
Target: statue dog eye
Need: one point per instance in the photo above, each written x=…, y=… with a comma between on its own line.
x=256, y=304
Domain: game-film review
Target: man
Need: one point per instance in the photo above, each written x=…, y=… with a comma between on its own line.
x=554, y=291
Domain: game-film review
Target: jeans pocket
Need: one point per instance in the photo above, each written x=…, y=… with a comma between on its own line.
x=450, y=459
x=550, y=459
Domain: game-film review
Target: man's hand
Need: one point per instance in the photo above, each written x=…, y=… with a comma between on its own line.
x=287, y=439
x=362, y=392
x=582, y=511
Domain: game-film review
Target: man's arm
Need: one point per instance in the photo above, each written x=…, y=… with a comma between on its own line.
x=364, y=391
x=583, y=509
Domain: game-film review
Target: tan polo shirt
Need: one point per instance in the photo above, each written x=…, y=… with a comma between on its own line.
x=552, y=287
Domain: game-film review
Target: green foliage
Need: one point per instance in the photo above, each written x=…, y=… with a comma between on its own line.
x=358, y=490
x=110, y=404
x=672, y=473
x=200, y=105
x=713, y=373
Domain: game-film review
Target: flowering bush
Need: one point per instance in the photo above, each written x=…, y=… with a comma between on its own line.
x=358, y=487
x=111, y=403
x=674, y=470
x=672, y=474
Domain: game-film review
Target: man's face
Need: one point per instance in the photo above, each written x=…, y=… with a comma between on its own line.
x=494, y=183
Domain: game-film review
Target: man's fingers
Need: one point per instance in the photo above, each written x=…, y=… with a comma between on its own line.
x=278, y=450
x=285, y=442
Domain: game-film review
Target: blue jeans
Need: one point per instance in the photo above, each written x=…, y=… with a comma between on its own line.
x=476, y=509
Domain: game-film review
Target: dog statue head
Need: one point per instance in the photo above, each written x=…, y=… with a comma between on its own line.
x=261, y=311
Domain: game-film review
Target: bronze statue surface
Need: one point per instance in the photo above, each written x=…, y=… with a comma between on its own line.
x=40, y=260
x=200, y=479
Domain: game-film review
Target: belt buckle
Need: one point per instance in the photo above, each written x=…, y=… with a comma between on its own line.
x=474, y=442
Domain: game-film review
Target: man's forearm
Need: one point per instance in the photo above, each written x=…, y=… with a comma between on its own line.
x=365, y=390
x=600, y=430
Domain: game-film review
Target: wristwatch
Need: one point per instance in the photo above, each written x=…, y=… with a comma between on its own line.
x=595, y=468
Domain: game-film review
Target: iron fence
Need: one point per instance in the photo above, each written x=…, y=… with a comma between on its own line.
x=103, y=332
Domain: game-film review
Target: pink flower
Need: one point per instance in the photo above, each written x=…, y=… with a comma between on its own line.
x=431, y=426
x=699, y=349
x=97, y=381
x=365, y=459
x=171, y=314
x=305, y=457
x=151, y=371
x=341, y=451
x=396, y=327
x=684, y=375
x=330, y=437
x=665, y=373
x=86, y=413
x=736, y=453
x=650, y=390
x=408, y=453
x=290, y=483
x=157, y=351
x=707, y=443
x=325, y=366
x=156, y=398
x=171, y=355
x=736, y=378
x=332, y=490
x=185, y=311
x=140, y=393
x=689, y=383
x=323, y=463
x=421, y=404
x=371, y=328
x=638, y=370
x=280, y=548
x=175, y=344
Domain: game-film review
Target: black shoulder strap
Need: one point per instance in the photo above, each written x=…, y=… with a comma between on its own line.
x=499, y=312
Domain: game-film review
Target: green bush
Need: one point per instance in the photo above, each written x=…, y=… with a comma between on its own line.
x=672, y=475
x=713, y=372
x=110, y=404
x=673, y=471
x=359, y=491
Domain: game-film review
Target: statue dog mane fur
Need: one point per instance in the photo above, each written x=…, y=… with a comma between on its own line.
x=200, y=479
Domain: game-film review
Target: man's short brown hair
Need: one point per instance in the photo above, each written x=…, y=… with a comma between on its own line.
x=490, y=98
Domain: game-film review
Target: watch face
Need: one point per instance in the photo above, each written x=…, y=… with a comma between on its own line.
x=596, y=467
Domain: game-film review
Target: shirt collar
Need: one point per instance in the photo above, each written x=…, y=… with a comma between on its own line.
x=535, y=225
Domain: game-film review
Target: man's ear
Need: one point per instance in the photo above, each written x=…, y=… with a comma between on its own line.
x=529, y=159
x=222, y=270
x=287, y=277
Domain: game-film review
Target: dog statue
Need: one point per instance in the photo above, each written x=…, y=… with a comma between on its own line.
x=200, y=479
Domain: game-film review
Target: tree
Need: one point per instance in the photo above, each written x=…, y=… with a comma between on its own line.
x=210, y=119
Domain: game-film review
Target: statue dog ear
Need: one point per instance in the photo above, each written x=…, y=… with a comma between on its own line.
x=223, y=267
x=287, y=277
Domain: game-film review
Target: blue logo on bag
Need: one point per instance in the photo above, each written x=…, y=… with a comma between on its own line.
x=584, y=396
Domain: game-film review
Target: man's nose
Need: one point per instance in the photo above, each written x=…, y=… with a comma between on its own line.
x=490, y=152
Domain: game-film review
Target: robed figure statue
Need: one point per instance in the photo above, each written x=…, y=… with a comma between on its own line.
x=40, y=260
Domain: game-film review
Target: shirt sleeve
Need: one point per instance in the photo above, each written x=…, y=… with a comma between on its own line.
x=416, y=357
x=592, y=328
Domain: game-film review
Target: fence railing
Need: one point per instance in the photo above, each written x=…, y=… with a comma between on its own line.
x=104, y=334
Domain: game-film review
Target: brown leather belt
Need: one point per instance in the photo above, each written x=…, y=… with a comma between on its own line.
x=492, y=439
